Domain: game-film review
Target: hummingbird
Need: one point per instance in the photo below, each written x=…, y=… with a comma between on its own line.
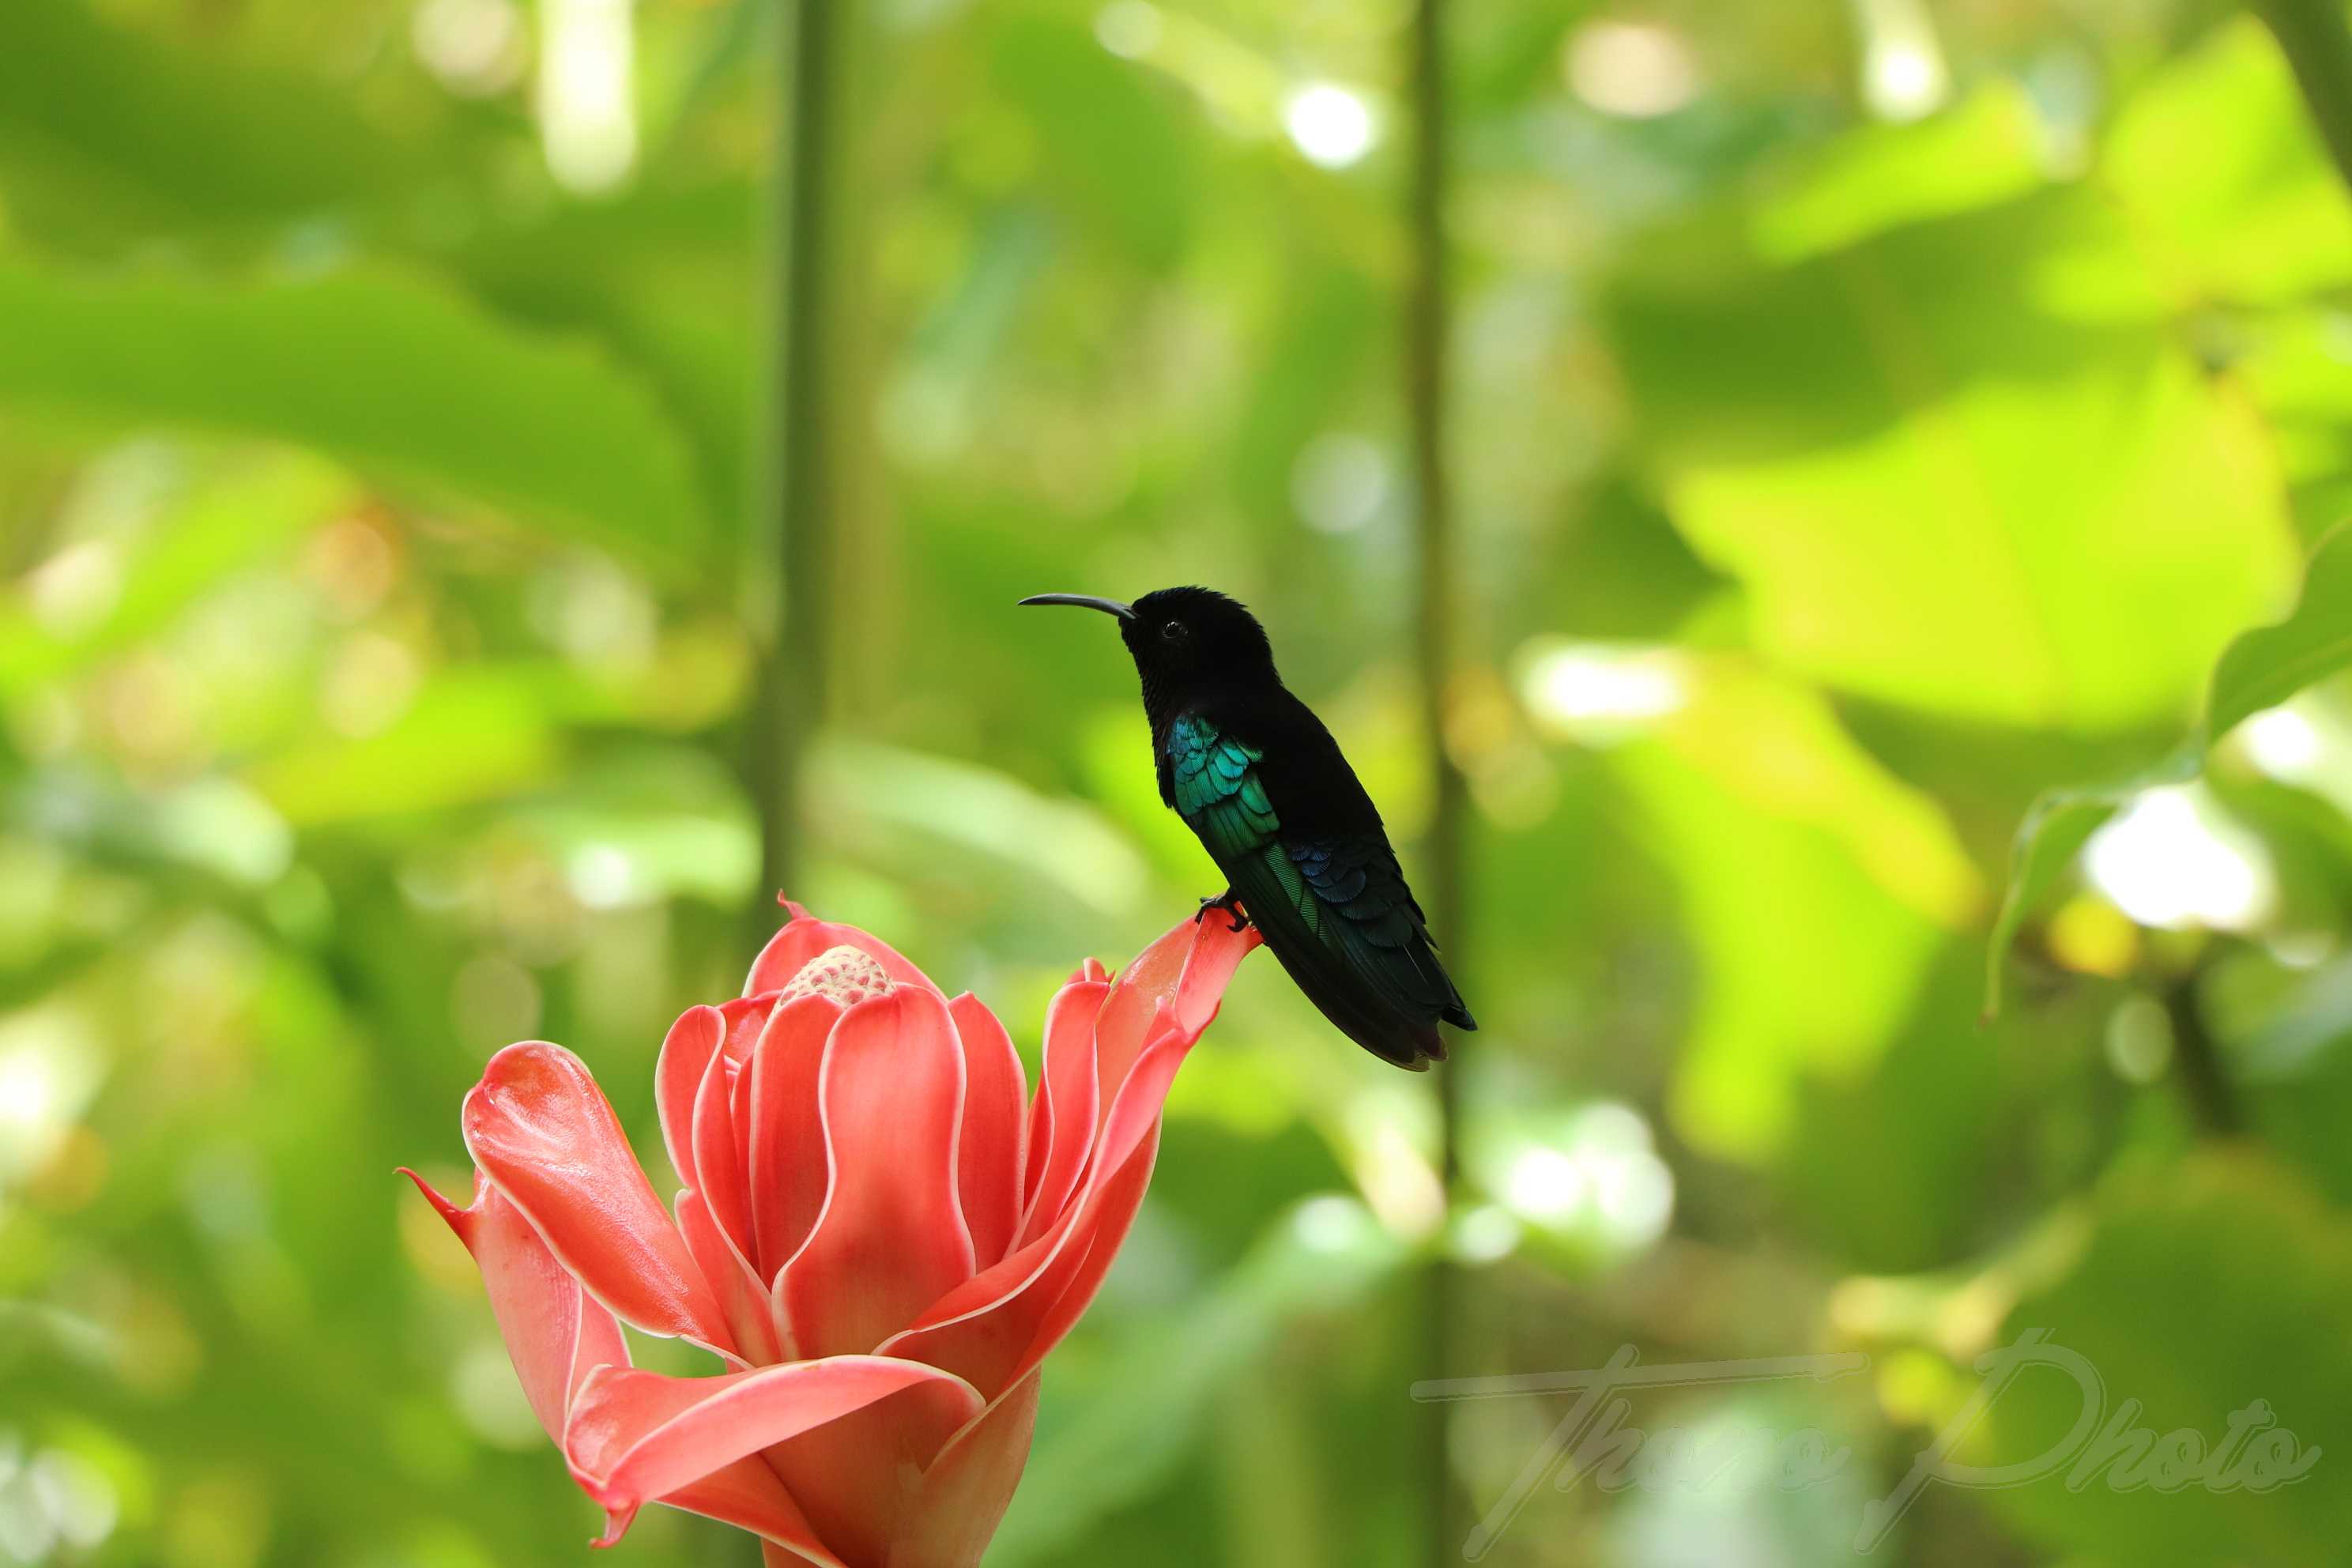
x=1259, y=780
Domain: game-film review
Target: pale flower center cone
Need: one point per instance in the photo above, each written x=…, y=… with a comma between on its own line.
x=846, y=974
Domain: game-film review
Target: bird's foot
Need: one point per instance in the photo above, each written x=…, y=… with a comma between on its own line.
x=1229, y=901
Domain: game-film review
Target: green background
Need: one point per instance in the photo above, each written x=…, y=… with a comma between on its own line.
x=437, y=612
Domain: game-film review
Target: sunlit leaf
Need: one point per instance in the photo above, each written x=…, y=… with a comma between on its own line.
x=1987, y=149
x=2217, y=156
x=468, y=736
x=2269, y=664
x=1978, y=505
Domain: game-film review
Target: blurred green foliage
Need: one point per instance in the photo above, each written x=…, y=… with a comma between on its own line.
x=1865, y=420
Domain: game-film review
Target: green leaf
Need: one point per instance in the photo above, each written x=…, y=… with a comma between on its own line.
x=478, y=733
x=2269, y=664
x=2206, y=1285
x=2005, y=492
x=905, y=809
x=105, y=133
x=2259, y=670
x=1887, y=1168
x=1844, y=870
x=382, y=370
x=2215, y=157
x=211, y=828
x=647, y=826
x=656, y=276
x=230, y=521
x=1987, y=149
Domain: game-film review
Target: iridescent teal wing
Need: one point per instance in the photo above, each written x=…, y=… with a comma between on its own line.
x=1335, y=909
x=1218, y=789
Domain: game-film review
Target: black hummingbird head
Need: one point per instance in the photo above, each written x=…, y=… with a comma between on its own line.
x=1184, y=639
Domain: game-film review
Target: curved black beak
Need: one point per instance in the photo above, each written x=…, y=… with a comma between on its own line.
x=1107, y=606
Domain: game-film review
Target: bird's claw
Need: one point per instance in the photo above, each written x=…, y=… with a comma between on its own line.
x=1228, y=901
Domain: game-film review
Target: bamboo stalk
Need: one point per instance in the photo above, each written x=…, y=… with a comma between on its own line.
x=790, y=536
x=1426, y=331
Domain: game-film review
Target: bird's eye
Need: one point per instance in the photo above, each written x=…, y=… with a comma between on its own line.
x=1175, y=631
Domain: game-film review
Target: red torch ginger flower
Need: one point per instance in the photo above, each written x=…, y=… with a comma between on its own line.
x=880, y=1235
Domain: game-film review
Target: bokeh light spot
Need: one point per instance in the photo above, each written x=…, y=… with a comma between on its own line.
x=1128, y=28
x=2172, y=860
x=1634, y=69
x=1330, y=125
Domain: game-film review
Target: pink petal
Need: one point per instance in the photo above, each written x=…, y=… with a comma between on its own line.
x=747, y=1020
x=1060, y=1127
x=1039, y=1317
x=1066, y=1293
x=692, y=1042
x=788, y=1168
x=982, y=1327
x=995, y=1132
x=742, y=1295
x=967, y=1487
x=891, y=1239
x=1138, y=988
x=636, y=1436
x=1217, y=951
x=991, y=1333
x=746, y=1017
x=540, y=1128
x=747, y=1494
x=1184, y=973
x=805, y=936
x=555, y=1334
x=718, y=1169
x=859, y=1478
x=1091, y=968
x=1000, y=1325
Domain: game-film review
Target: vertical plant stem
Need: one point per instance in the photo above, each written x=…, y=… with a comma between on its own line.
x=791, y=534
x=2197, y=1062
x=1427, y=325
x=2319, y=47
